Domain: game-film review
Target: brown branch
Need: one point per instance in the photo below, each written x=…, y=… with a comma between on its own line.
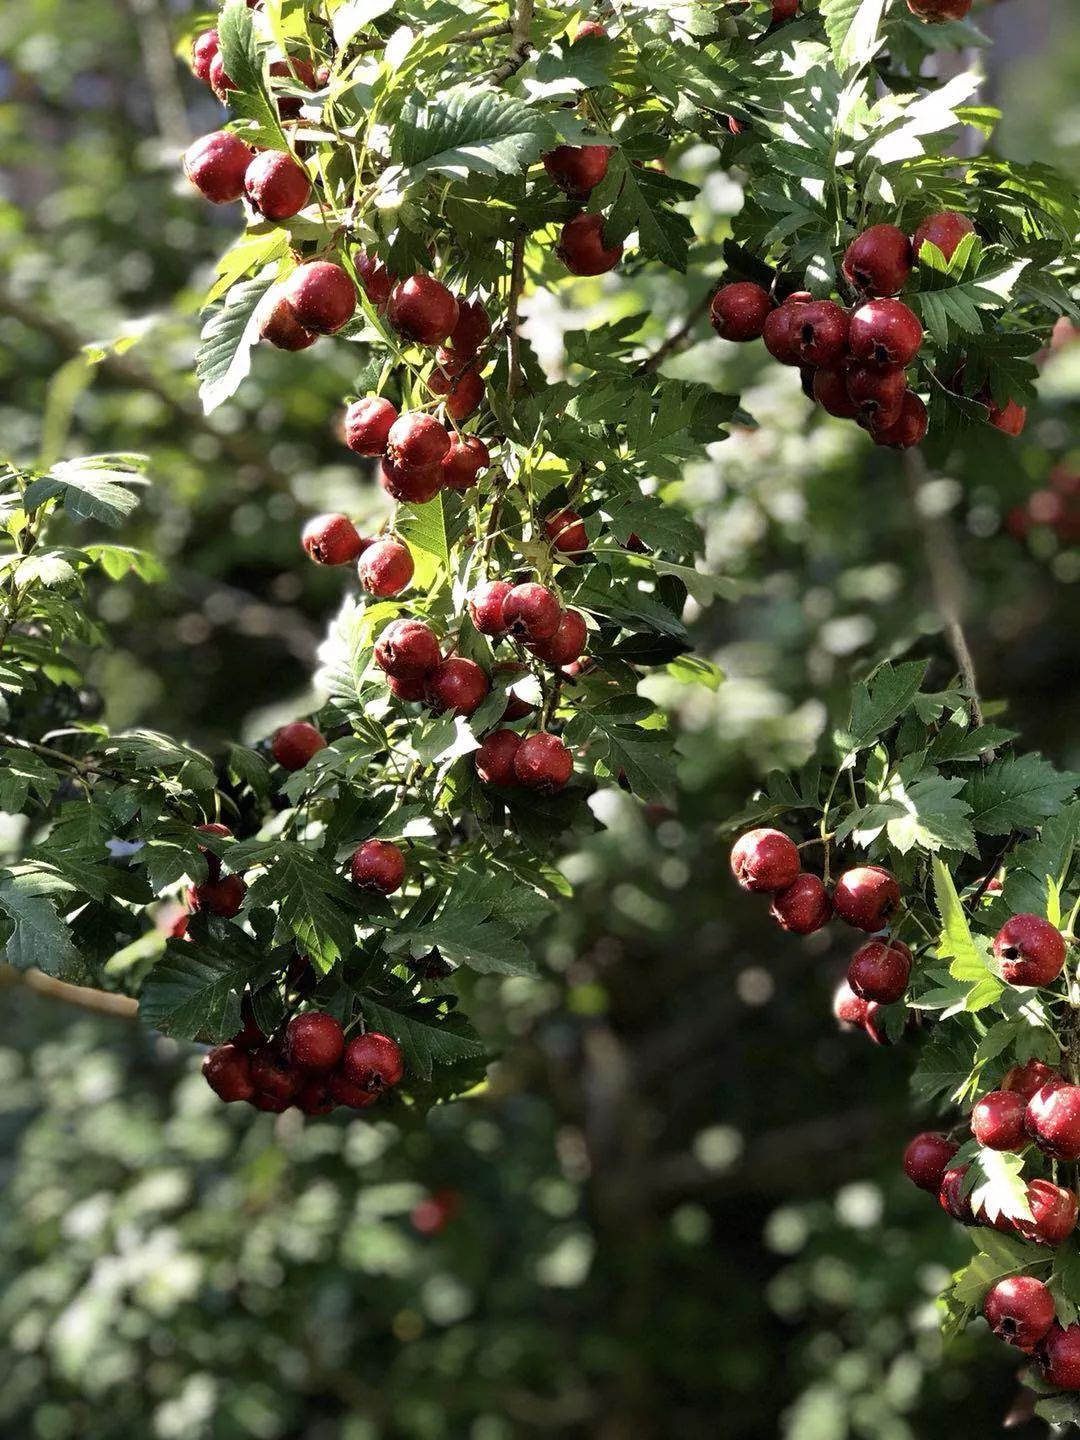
x=513, y=300
x=678, y=340
x=520, y=43
x=97, y=1002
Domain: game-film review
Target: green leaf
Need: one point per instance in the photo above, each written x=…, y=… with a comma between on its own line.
x=944, y=1066
x=879, y=703
x=193, y=992
x=428, y=1036
x=931, y=814
x=243, y=64
x=852, y=27
x=94, y=487
x=693, y=670
x=999, y=1255
x=40, y=939
x=643, y=757
x=1017, y=792
x=251, y=251
x=24, y=774
x=957, y=741
x=120, y=560
x=223, y=360
x=643, y=201
x=467, y=130
x=1000, y=1188
x=956, y=943
x=434, y=527
x=316, y=904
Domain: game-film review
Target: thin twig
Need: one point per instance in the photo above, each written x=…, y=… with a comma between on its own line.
x=98, y=1002
x=678, y=340
x=520, y=43
x=517, y=285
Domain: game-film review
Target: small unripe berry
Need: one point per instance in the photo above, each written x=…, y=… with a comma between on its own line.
x=332, y=540
x=378, y=865
x=568, y=642
x=1053, y=1214
x=276, y=185
x=1052, y=1119
x=780, y=332
x=577, y=169
x=422, y=309
x=411, y=484
x=486, y=606
x=739, y=311
x=465, y=461
x=531, y=612
x=763, y=860
x=945, y=230
x=224, y=896
x=373, y=1062
x=417, y=440
x=471, y=329
x=803, y=906
x=830, y=387
x=1027, y=1079
x=294, y=745
x=820, y=333
x=1030, y=950
x=997, y=1121
x=1019, y=1310
x=216, y=166
x=909, y=429
x=322, y=295
x=278, y=324
x=877, y=395
x=880, y=970
x=495, y=758
x=543, y=763
x=937, y=12
x=368, y=423
x=885, y=332
x=228, y=1073
x=407, y=647
x=582, y=249
x=927, y=1158
x=203, y=50
x=385, y=568
x=878, y=262
x=566, y=531
x=457, y=686
x=314, y=1041
x=376, y=280
x=866, y=897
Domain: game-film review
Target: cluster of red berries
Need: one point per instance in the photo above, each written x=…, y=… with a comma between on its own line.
x=1056, y=507
x=310, y=1064
x=767, y=861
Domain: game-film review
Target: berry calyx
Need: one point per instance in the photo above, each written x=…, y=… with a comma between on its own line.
x=1052, y=1119
x=566, y=531
x=407, y=647
x=830, y=388
x=457, y=686
x=880, y=970
x=885, y=332
x=1027, y=1079
x=378, y=865
x=531, y=612
x=294, y=745
x=216, y=165
x=277, y=322
x=495, y=758
x=228, y=1073
x=543, y=763
x=945, y=230
x=422, y=309
x=926, y=1159
x=486, y=606
x=577, y=169
x=332, y=540
x=867, y=897
x=465, y=461
x=417, y=441
x=1019, y=1310
x=568, y=642
x=820, y=333
x=322, y=296
x=877, y=395
x=314, y=1041
x=276, y=185
x=471, y=329
x=908, y=429
x=878, y=262
x=738, y=311
x=582, y=248
x=223, y=896
x=385, y=568
x=803, y=906
x=764, y=860
x=373, y=1062
x=203, y=49
x=997, y=1121
x=368, y=423
x=1030, y=950
x=1053, y=1214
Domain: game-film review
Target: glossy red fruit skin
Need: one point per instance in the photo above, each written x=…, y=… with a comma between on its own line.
x=411, y=484
x=410, y=688
x=276, y=185
x=738, y=311
x=272, y=1077
x=937, y=12
x=568, y=642
x=378, y=865
x=951, y=1196
x=1027, y=1079
x=1059, y=1354
x=880, y=970
x=927, y=1158
x=464, y=395
x=878, y=262
x=422, y=309
x=821, y=333
x=906, y=431
x=764, y=860
x=457, y=686
x=877, y=395
x=464, y=463
x=803, y=906
x=486, y=606
x=866, y=897
x=228, y=1073
x=848, y=1008
x=471, y=329
x=417, y=440
x=1020, y=1311
x=581, y=246
x=224, y=896
x=314, y=1097
x=494, y=760
x=577, y=169
x=385, y=568
x=531, y=612
x=220, y=82
x=886, y=333
x=945, y=229
x=278, y=324
x=270, y=1103
x=1052, y=1120
x=332, y=540
x=1030, y=950
x=322, y=296
x=407, y=647
x=831, y=392
x=784, y=10
x=314, y=1041
x=590, y=27
x=373, y=1062
x=203, y=49
x=216, y=165
x=780, y=332
x=1010, y=419
x=1053, y=1214
x=997, y=1121
x=294, y=745
x=344, y=1092
x=368, y=423
x=566, y=531
x=375, y=279
x=213, y=862
x=543, y=763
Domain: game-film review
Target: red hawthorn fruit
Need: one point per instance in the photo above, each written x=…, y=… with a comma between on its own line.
x=300, y=72
x=464, y=463
x=410, y=688
x=763, y=860
x=314, y=1097
x=908, y=430
x=1053, y=1214
x=249, y=1036
x=945, y=230
x=495, y=758
x=452, y=363
x=878, y=262
x=322, y=295
x=1019, y=1310
x=590, y=28
x=937, y=12
x=1030, y=950
x=848, y=1008
x=568, y=642
x=738, y=311
x=463, y=395
x=880, y=970
x=373, y=1062
x=1052, y=1119
x=344, y=1092
x=378, y=865
x=294, y=745
x=581, y=246
x=577, y=169
x=213, y=862
x=784, y=10
x=543, y=763
x=276, y=185
x=278, y=324
x=1010, y=418
x=866, y=897
x=531, y=613
x=566, y=531
x=412, y=484
x=375, y=279
x=927, y=1158
x=877, y=395
x=997, y=1121
x=1059, y=1356
x=179, y=928
x=821, y=332
x=216, y=165
x=407, y=647
x=224, y=896
x=1029, y=1078
x=781, y=331
x=831, y=392
x=803, y=906
x=457, y=686
x=417, y=441
x=272, y=1077
x=220, y=82
x=951, y=1196
x=472, y=328
x=385, y=568
x=422, y=309
x=874, y=1024
x=271, y=1103
x=332, y=540
x=885, y=332
x=228, y=1073
x=368, y=423
x=431, y=1215
x=203, y=49
x=314, y=1041
x=486, y=606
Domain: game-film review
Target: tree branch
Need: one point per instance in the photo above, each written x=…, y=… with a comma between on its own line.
x=678, y=340
x=97, y=1002
x=520, y=43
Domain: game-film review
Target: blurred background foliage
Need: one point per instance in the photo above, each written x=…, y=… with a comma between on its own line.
x=676, y=1209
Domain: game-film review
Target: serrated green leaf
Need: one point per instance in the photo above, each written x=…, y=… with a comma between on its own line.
x=1017, y=792
x=223, y=360
x=428, y=1036
x=40, y=939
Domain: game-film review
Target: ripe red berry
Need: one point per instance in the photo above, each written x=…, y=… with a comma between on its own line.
x=378, y=865
x=407, y=647
x=927, y=1158
x=332, y=540
x=422, y=309
x=203, y=50
x=1052, y=1120
x=373, y=1062
x=763, y=860
x=472, y=328
x=228, y=1073
x=848, y=1008
x=1019, y=1310
x=577, y=169
x=385, y=568
x=885, y=332
x=276, y=185
x=465, y=461
x=411, y=484
x=272, y=1077
x=314, y=1096
x=249, y=1036
x=294, y=745
x=457, y=686
x=1059, y=1357
x=344, y=1092
x=278, y=324
x=866, y=897
x=937, y=12
x=368, y=423
x=997, y=1121
x=874, y=1023
x=486, y=606
x=314, y=1041
x=410, y=688
x=1029, y=1078
x=952, y=1198
x=566, y=531
x=543, y=763
x=224, y=896
x=945, y=230
x=582, y=249
x=463, y=394
x=590, y=28
x=531, y=612
x=830, y=390
x=820, y=333
x=299, y=72
x=781, y=331
x=417, y=441
x=213, y=862
x=1030, y=950
x=495, y=758
x=877, y=395
x=1053, y=1214
x=909, y=429
x=803, y=906
x=1010, y=418
x=216, y=166
x=784, y=10
x=322, y=295
x=739, y=310
x=880, y=970
x=220, y=82
x=375, y=279
x=568, y=642
x=878, y=262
